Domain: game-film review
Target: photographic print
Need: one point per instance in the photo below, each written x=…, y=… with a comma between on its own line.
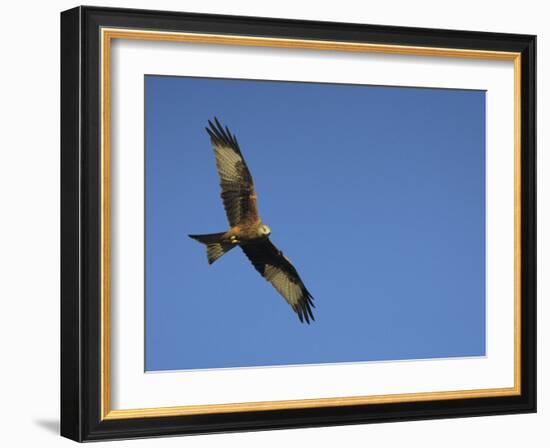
x=272, y=224
x=362, y=206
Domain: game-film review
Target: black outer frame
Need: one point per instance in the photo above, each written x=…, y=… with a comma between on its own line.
x=80, y=223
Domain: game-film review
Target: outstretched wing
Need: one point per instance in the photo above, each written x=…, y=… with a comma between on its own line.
x=279, y=271
x=238, y=195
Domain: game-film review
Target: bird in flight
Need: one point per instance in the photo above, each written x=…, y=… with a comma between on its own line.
x=246, y=227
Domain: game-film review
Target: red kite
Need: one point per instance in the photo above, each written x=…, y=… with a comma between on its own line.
x=247, y=229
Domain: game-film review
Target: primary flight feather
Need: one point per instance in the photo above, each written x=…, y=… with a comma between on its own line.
x=247, y=229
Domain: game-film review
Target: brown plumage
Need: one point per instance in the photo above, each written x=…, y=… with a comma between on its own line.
x=247, y=229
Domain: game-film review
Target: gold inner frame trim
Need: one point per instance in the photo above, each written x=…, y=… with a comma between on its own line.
x=107, y=35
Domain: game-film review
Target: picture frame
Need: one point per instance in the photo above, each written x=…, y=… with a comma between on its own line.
x=87, y=35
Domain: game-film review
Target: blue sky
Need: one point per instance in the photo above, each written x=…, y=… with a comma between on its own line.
x=376, y=194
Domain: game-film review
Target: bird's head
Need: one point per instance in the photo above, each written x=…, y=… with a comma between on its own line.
x=264, y=230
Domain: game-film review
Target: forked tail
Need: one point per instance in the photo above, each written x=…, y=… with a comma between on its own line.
x=215, y=248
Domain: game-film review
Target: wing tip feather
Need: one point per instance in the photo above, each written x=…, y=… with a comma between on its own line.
x=219, y=135
x=303, y=307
